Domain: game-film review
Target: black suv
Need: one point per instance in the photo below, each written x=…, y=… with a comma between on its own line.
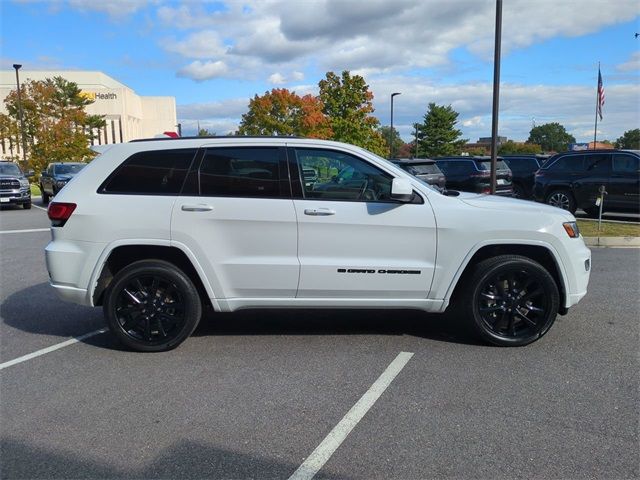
x=572, y=180
x=423, y=168
x=524, y=167
x=56, y=176
x=14, y=185
x=473, y=174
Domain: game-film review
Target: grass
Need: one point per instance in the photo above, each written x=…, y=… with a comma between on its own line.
x=609, y=229
x=35, y=190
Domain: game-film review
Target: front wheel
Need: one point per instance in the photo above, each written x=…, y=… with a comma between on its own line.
x=152, y=306
x=26, y=205
x=562, y=199
x=45, y=195
x=511, y=300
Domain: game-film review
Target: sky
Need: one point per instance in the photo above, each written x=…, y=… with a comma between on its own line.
x=213, y=56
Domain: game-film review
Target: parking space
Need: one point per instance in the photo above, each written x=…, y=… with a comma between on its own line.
x=253, y=393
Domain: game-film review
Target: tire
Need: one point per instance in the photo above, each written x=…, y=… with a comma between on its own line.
x=518, y=192
x=152, y=306
x=510, y=300
x=562, y=198
x=26, y=206
x=45, y=196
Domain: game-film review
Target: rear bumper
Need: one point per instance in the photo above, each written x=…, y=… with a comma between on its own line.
x=72, y=294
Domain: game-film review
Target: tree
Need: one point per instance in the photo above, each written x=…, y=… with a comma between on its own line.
x=552, y=137
x=515, y=147
x=385, y=131
x=629, y=139
x=57, y=127
x=347, y=102
x=437, y=134
x=281, y=112
x=204, y=132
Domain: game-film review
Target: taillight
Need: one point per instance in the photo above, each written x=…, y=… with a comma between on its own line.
x=482, y=174
x=60, y=212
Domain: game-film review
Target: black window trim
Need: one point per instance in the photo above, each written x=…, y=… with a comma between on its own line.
x=298, y=191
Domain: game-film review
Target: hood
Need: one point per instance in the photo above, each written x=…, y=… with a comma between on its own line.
x=17, y=177
x=495, y=202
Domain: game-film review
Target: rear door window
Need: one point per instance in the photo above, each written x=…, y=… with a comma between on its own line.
x=573, y=163
x=241, y=172
x=598, y=163
x=155, y=172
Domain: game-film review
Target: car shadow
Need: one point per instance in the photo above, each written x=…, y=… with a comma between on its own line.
x=38, y=310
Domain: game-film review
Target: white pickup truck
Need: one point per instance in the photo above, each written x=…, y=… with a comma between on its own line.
x=156, y=230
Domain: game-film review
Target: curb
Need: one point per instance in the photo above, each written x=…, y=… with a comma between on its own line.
x=612, y=241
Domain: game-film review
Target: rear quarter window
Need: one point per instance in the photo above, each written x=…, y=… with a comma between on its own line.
x=155, y=172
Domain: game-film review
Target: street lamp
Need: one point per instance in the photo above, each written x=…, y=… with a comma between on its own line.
x=391, y=130
x=24, y=143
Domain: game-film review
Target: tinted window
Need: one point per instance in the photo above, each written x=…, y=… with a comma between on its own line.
x=573, y=163
x=457, y=167
x=240, y=172
x=343, y=177
x=528, y=164
x=422, y=168
x=597, y=163
x=486, y=165
x=66, y=168
x=625, y=163
x=158, y=172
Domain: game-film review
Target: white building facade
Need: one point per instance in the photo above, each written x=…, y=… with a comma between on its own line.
x=128, y=116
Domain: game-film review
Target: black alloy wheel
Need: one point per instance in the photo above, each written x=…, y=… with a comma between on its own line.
x=152, y=305
x=514, y=300
x=562, y=199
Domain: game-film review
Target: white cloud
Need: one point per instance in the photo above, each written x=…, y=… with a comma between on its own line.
x=297, y=76
x=632, y=65
x=200, y=71
x=114, y=8
x=277, y=79
x=205, y=45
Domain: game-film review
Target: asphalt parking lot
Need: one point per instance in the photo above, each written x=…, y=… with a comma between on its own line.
x=253, y=394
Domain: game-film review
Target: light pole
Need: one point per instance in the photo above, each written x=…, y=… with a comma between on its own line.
x=24, y=143
x=391, y=152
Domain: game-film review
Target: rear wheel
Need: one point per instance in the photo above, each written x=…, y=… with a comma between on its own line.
x=511, y=300
x=152, y=306
x=562, y=199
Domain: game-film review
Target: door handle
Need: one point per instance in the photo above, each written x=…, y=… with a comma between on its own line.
x=196, y=208
x=319, y=212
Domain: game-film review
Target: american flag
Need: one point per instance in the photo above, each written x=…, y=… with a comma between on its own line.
x=600, y=94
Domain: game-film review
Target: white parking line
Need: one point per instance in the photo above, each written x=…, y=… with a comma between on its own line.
x=37, y=206
x=331, y=442
x=50, y=349
x=31, y=230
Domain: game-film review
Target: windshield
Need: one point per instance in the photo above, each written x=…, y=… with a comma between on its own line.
x=9, y=169
x=67, y=168
x=486, y=165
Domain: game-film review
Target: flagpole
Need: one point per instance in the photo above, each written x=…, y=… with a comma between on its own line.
x=595, y=128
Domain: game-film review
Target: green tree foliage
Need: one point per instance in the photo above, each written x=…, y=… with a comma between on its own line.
x=347, y=102
x=57, y=128
x=515, y=147
x=552, y=137
x=629, y=139
x=438, y=135
x=281, y=112
x=204, y=132
x=387, y=136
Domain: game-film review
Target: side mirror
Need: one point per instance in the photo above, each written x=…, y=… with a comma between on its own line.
x=401, y=190
x=30, y=174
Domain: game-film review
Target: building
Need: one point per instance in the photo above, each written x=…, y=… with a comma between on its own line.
x=128, y=116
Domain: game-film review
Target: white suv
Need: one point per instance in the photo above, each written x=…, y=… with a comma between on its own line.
x=156, y=230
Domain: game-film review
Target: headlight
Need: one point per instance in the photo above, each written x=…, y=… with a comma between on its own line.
x=61, y=183
x=24, y=183
x=572, y=229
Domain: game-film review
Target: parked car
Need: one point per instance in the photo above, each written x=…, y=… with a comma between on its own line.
x=572, y=180
x=154, y=231
x=473, y=174
x=423, y=168
x=523, y=169
x=56, y=176
x=14, y=185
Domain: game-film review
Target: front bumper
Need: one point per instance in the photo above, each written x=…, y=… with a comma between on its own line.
x=15, y=197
